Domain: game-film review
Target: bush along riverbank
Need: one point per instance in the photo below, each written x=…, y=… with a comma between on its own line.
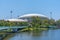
x=33, y=29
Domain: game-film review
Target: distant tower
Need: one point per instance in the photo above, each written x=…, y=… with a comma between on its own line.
x=11, y=13
x=50, y=15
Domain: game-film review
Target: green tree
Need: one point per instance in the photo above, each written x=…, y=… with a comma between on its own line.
x=52, y=22
x=58, y=23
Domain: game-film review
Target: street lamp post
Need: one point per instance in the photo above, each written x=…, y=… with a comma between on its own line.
x=11, y=13
x=50, y=15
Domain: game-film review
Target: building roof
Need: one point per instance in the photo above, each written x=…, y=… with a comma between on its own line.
x=16, y=20
x=30, y=15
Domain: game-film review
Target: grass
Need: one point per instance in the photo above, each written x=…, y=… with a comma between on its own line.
x=33, y=29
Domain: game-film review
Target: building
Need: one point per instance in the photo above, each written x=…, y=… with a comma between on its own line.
x=27, y=17
x=16, y=20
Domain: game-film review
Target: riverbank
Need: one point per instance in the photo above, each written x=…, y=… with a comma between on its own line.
x=23, y=31
x=9, y=33
x=8, y=36
x=33, y=29
x=32, y=34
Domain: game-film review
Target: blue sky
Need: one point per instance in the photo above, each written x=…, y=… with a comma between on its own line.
x=20, y=7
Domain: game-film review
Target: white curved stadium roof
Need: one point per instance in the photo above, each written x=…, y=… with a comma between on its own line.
x=30, y=15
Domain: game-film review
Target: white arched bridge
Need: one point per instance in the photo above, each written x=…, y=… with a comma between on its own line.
x=13, y=28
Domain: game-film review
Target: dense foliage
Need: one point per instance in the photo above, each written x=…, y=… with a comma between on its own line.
x=38, y=22
x=7, y=23
x=58, y=23
x=35, y=22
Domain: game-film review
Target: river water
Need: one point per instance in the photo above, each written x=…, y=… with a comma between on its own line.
x=41, y=35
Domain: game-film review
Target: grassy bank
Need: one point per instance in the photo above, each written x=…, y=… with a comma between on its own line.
x=33, y=29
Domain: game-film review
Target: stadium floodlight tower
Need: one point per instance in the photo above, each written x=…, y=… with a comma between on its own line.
x=50, y=15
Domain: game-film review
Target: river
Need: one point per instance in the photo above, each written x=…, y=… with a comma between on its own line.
x=42, y=35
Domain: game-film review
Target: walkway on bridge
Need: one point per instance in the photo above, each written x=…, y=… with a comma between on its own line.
x=11, y=27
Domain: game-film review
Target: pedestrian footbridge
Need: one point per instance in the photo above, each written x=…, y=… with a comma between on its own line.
x=13, y=28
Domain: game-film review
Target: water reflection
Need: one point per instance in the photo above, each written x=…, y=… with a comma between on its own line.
x=37, y=35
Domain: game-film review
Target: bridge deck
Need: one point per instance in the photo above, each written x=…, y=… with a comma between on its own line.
x=8, y=27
